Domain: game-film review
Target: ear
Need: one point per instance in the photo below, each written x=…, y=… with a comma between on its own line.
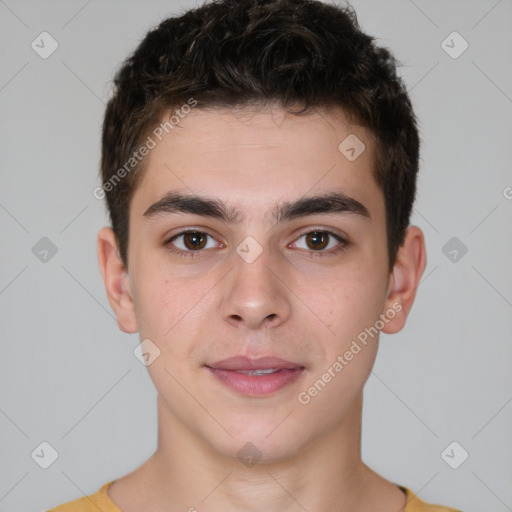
x=405, y=278
x=116, y=281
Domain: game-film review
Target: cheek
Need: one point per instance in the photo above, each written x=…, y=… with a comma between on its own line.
x=171, y=308
x=353, y=304
x=160, y=302
x=350, y=348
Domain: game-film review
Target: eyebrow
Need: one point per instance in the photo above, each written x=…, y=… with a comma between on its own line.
x=333, y=202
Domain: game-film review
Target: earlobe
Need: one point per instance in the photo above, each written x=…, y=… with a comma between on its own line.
x=405, y=278
x=116, y=281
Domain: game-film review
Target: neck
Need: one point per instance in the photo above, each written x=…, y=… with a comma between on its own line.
x=325, y=474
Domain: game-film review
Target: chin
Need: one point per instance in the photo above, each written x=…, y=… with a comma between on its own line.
x=254, y=445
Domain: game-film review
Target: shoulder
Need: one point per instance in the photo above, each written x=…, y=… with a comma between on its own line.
x=415, y=504
x=92, y=503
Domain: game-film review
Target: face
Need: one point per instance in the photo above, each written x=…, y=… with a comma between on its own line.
x=259, y=273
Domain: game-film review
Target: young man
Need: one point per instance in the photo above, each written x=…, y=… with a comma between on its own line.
x=259, y=161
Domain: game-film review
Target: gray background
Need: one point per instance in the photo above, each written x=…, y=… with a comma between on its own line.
x=68, y=376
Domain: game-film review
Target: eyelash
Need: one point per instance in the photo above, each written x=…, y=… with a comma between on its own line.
x=343, y=244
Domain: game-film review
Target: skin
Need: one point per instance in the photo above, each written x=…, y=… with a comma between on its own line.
x=290, y=303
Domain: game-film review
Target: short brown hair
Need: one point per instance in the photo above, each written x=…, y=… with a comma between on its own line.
x=235, y=53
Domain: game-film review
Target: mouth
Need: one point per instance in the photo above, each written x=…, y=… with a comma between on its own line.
x=258, y=372
x=245, y=364
x=256, y=377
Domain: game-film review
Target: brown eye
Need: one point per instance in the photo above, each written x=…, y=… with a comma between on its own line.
x=321, y=242
x=190, y=243
x=317, y=239
x=194, y=240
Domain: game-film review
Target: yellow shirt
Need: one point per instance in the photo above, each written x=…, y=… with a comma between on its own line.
x=101, y=501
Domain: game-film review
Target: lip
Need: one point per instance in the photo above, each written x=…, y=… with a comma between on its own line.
x=261, y=363
x=228, y=371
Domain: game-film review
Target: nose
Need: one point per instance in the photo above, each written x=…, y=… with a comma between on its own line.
x=253, y=294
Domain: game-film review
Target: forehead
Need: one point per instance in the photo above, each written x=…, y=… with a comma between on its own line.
x=241, y=129
x=255, y=156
